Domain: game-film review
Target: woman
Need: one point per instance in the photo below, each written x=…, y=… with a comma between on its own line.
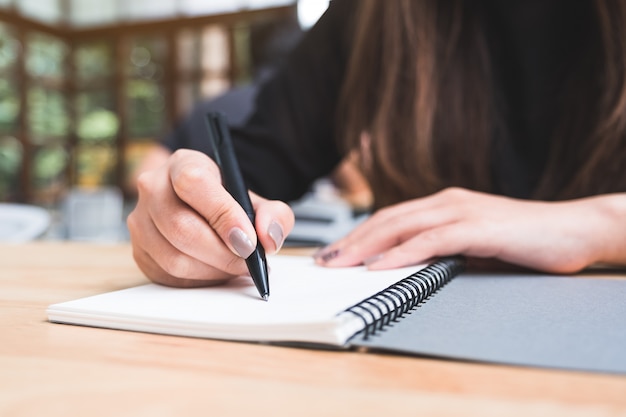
x=485, y=128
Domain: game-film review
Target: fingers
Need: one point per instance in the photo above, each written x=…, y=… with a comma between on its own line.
x=171, y=242
x=389, y=228
x=187, y=230
x=150, y=268
x=274, y=221
x=453, y=221
x=451, y=239
x=196, y=180
x=392, y=253
x=474, y=224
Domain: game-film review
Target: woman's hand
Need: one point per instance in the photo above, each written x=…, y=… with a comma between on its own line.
x=557, y=237
x=188, y=231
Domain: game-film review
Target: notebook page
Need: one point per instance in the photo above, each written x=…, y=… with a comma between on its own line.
x=304, y=301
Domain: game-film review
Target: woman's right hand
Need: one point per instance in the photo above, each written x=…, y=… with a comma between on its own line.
x=188, y=231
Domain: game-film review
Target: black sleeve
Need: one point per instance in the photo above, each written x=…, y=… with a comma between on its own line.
x=289, y=140
x=191, y=132
x=285, y=135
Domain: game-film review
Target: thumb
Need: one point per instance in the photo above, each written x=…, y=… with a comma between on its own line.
x=274, y=221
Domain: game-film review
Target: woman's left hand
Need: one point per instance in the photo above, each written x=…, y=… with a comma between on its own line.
x=557, y=237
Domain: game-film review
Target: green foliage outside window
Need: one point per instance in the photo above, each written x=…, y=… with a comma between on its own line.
x=146, y=105
x=96, y=118
x=93, y=60
x=47, y=114
x=9, y=48
x=45, y=56
x=11, y=155
x=9, y=105
x=49, y=164
x=144, y=92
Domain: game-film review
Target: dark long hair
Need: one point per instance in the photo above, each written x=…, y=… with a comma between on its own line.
x=419, y=104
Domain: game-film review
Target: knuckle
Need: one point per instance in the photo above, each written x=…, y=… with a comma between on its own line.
x=432, y=237
x=139, y=257
x=144, y=183
x=455, y=193
x=381, y=215
x=220, y=215
x=404, y=254
x=461, y=200
x=132, y=223
x=177, y=265
x=187, y=179
x=178, y=153
x=183, y=229
x=182, y=155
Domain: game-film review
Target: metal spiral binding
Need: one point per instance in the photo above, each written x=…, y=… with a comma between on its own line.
x=390, y=304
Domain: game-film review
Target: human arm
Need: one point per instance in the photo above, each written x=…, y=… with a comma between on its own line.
x=556, y=237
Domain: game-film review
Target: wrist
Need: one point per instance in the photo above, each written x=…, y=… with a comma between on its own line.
x=609, y=237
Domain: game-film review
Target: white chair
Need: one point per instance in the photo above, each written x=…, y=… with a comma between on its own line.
x=322, y=217
x=22, y=222
x=94, y=215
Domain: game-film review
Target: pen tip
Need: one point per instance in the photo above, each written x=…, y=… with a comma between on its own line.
x=266, y=297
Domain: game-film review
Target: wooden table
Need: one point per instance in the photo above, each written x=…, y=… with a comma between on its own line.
x=59, y=370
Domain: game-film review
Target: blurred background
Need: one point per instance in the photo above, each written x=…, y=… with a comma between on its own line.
x=87, y=86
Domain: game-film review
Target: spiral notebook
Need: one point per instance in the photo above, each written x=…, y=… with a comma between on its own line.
x=556, y=322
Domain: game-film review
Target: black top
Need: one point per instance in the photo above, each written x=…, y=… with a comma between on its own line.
x=288, y=140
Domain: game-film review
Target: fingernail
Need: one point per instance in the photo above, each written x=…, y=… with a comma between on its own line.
x=241, y=242
x=325, y=255
x=372, y=259
x=277, y=235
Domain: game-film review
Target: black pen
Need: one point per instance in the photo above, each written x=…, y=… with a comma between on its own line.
x=224, y=155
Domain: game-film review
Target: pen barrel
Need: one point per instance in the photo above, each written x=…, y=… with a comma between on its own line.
x=232, y=178
x=235, y=185
x=240, y=194
x=225, y=157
